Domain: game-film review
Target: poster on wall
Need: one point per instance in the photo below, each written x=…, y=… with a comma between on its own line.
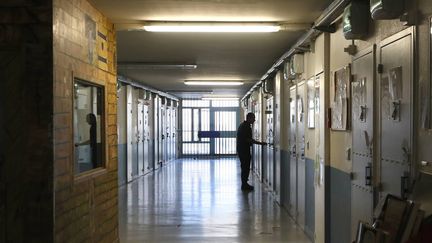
x=311, y=103
x=340, y=100
x=394, y=93
x=359, y=99
x=90, y=35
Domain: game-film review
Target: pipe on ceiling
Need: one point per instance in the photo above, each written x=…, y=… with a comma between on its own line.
x=329, y=15
x=126, y=80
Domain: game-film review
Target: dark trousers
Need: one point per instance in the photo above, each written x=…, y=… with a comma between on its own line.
x=245, y=163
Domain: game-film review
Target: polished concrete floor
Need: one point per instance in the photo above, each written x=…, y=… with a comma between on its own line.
x=201, y=201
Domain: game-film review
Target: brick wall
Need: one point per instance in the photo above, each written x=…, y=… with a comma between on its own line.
x=85, y=205
x=26, y=152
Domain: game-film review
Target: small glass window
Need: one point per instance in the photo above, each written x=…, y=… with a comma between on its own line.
x=88, y=126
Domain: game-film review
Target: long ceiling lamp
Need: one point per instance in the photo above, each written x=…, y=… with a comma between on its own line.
x=211, y=27
x=154, y=66
x=214, y=83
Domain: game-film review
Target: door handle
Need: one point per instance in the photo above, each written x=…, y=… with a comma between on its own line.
x=368, y=175
x=404, y=186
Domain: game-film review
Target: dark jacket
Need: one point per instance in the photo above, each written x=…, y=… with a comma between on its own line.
x=244, y=138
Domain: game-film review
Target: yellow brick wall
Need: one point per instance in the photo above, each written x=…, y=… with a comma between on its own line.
x=85, y=206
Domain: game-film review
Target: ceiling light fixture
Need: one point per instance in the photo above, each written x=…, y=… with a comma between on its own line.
x=214, y=83
x=220, y=98
x=155, y=66
x=211, y=27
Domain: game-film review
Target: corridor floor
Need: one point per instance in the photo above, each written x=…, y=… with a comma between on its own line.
x=201, y=201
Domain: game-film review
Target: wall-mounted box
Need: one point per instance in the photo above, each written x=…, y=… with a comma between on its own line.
x=356, y=20
x=297, y=63
x=386, y=9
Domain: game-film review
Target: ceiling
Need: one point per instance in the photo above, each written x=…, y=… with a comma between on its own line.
x=218, y=56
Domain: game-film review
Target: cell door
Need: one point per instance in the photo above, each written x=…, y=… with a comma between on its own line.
x=257, y=149
x=140, y=138
x=168, y=134
x=135, y=134
x=162, y=134
x=146, y=139
x=301, y=162
x=395, y=80
x=363, y=68
x=269, y=149
x=156, y=132
x=130, y=134
x=173, y=132
x=293, y=152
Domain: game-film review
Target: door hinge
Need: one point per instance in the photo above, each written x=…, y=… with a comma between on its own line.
x=380, y=68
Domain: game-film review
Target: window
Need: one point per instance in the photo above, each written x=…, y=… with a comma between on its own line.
x=88, y=126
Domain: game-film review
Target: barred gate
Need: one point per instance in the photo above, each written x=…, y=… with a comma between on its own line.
x=208, y=127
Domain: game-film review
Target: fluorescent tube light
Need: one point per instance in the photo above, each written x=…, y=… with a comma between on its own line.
x=211, y=27
x=154, y=66
x=214, y=83
x=220, y=98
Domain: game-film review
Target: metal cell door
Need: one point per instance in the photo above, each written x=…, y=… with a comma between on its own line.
x=168, y=134
x=301, y=162
x=135, y=135
x=174, y=132
x=146, y=139
x=257, y=149
x=162, y=131
x=129, y=135
x=156, y=132
x=140, y=138
x=395, y=80
x=363, y=68
x=293, y=152
x=269, y=149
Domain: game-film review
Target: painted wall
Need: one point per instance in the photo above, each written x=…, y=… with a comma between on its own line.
x=85, y=204
x=340, y=144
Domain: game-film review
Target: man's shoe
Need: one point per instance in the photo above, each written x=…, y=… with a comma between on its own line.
x=247, y=187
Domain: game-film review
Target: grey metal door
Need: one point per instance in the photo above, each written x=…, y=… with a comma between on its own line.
x=168, y=133
x=277, y=136
x=156, y=132
x=140, y=138
x=146, y=139
x=135, y=135
x=269, y=163
x=301, y=162
x=293, y=152
x=174, y=133
x=363, y=68
x=395, y=80
x=257, y=149
x=129, y=135
x=163, y=129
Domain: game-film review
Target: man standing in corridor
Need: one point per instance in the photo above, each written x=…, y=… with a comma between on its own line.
x=244, y=143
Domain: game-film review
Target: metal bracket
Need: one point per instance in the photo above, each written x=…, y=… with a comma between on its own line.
x=351, y=49
x=328, y=29
x=408, y=18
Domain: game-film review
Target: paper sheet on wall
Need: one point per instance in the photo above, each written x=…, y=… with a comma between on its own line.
x=340, y=101
x=322, y=170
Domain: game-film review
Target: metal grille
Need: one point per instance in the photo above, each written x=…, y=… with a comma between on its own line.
x=209, y=127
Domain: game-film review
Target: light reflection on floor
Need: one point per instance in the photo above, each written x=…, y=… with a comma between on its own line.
x=201, y=201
